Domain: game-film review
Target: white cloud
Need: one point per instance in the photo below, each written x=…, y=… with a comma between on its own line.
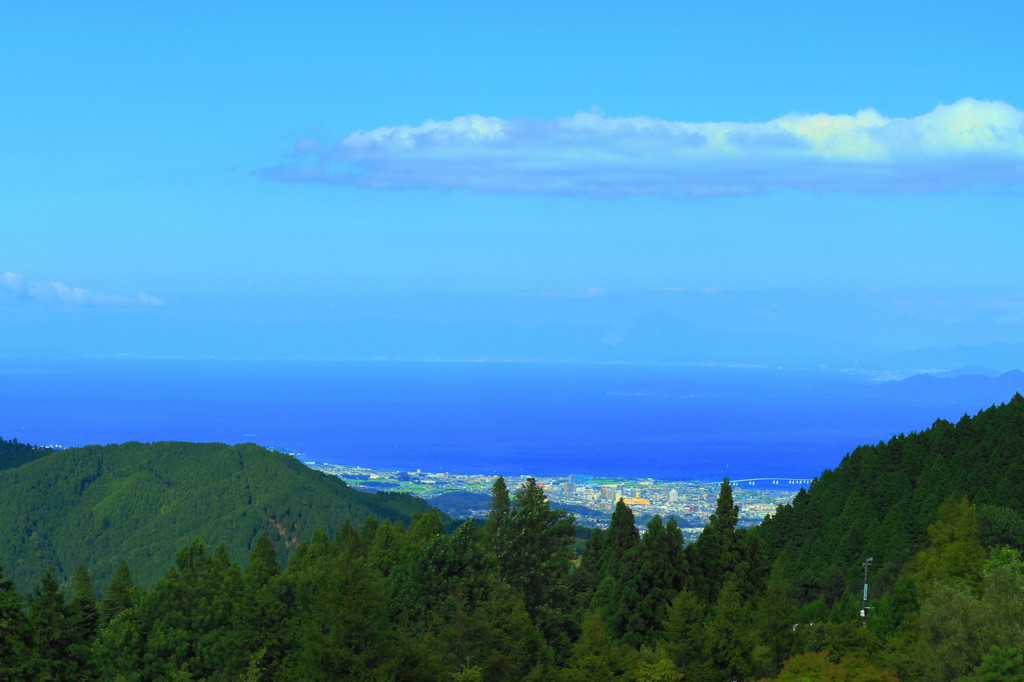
x=965, y=144
x=15, y=286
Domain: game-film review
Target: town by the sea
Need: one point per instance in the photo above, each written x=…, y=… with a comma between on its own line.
x=660, y=422
x=591, y=499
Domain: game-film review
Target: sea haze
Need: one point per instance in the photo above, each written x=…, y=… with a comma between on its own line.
x=474, y=417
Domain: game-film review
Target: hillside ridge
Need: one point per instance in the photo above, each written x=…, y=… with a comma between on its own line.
x=141, y=502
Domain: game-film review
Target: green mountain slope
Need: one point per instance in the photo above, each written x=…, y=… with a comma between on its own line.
x=140, y=503
x=881, y=499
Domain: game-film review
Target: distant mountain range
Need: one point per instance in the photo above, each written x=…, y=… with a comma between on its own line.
x=989, y=358
x=969, y=389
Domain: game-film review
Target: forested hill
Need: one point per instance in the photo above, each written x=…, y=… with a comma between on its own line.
x=140, y=503
x=881, y=499
x=13, y=453
x=940, y=512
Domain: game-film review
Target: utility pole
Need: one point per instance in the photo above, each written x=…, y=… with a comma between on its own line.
x=864, y=598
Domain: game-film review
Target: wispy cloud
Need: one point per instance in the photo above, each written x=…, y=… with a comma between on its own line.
x=16, y=287
x=965, y=144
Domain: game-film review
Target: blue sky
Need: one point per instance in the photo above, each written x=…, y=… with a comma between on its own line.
x=556, y=180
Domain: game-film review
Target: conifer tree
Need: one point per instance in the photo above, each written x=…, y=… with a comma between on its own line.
x=775, y=620
x=636, y=587
x=265, y=606
x=120, y=596
x=954, y=552
x=263, y=565
x=338, y=628
x=15, y=634
x=59, y=651
x=620, y=539
x=728, y=637
x=368, y=531
x=389, y=547
x=532, y=551
x=439, y=572
x=500, y=506
x=425, y=525
x=347, y=539
x=596, y=656
x=683, y=636
x=583, y=581
x=187, y=620
x=500, y=637
x=319, y=544
x=716, y=553
x=84, y=609
x=656, y=576
x=890, y=612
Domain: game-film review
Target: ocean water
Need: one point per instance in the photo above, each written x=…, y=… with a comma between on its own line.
x=698, y=423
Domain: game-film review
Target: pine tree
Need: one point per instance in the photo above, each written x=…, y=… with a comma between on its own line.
x=532, y=551
x=500, y=637
x=264, y=607
x=368, y=531
x=15, y=634
x=441, y=570
x=319, y=544
x=85, y=616
x=619, y=585
x=347, y=540
x=954, y=552
x=263, y=565
x=620, y=539
x=716, y=553
x=583, y=581
x=775, y=620
x=726, y=514
x=389, y=548
x=188, y=620
x=657, y=577
x=683, y=638
x=500, y=506
x=596, y=656
x=728, y=637
x=425, y=525
x=338, y=628
x=60, y=653
x=120, y=596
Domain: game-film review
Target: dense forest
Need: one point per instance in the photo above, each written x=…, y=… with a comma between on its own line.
x=521, y=598
x=881, y=499
x=140, y=502
x=13, y=453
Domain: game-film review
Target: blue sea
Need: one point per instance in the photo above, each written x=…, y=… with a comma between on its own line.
x=691, y=423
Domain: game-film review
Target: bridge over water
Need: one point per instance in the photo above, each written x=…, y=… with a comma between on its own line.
x=774, y=480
